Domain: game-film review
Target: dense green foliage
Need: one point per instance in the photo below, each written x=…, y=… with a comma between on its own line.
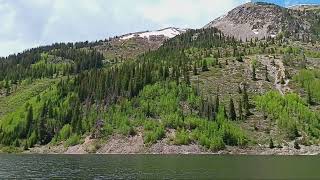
x=291, y=114
x=310, y=81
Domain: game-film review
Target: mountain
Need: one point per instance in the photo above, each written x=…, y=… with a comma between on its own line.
x=129, y=46
x=171, y=91
x=260, y=20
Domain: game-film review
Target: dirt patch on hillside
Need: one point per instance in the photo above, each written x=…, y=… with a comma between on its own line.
x=123, y=145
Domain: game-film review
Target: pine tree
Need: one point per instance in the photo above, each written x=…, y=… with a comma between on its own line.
x=205, y=65
x=26, y=146
x=148, y=113
x=166, y=72
x=296, y=145
x=29, y=119
x=239, y=89
x=195, y=71
x=42, y=131
x=254, y=72
x=309, y=97
x=209, y=109
x=216, y=107
x=7, y=87
x=246, y=101
x=239, y=58
x=304, y=61
x=232, y=112
x=271, y=145
x=240, y=110
x=282, y=81
x=266, y=73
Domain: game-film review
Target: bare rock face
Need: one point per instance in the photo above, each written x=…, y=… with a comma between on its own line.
x=259, y=20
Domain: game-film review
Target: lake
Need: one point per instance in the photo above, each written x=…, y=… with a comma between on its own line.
x=158, y=167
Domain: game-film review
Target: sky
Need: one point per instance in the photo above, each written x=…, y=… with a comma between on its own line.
x=30, y=23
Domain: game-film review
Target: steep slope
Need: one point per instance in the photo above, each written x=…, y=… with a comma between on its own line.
x=259, y=20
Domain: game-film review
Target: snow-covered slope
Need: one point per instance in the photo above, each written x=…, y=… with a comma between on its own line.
x=167, y=33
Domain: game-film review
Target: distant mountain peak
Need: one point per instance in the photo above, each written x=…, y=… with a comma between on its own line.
x=260, y=19
x=166, y=33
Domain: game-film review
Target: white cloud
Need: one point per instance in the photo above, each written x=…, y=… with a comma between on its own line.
x=194, y=13
x=25, y=24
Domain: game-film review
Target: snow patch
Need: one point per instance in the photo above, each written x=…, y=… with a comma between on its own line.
x=168, y=32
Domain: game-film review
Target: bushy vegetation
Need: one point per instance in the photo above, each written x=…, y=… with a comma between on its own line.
x=310, y=81
x=291, y=114
x=182, y=137
x=73, y=140
x=153, y=131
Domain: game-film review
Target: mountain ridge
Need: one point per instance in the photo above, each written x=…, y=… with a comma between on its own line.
x=202, y=91
x=262, y=20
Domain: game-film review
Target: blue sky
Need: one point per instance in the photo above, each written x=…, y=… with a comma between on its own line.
x=291, y=2
x=30, y=23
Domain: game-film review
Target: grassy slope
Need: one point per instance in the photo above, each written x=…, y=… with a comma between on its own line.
x=23, y=93
x=226, y=79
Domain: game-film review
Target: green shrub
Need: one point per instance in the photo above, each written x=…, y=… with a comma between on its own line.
x=65, y=132
x=291, y=114
x=10, y=149
x=153, y=135
x=72, y=140
x=32, y=140
x=126, y=130
x=182, y=137
x=107, y=130
x=216, y=144
x=173, y=120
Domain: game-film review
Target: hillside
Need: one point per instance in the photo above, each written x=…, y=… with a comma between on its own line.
x=131, y=45
x=196, y=91
x=262, y=20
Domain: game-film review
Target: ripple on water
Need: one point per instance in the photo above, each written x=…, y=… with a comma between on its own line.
x=157, y=167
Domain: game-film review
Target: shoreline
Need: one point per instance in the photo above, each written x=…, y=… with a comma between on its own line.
x=134, y=146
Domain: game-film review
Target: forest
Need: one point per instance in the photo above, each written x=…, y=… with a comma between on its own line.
x=64, y=92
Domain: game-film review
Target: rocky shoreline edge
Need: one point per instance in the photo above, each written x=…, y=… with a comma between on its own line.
x=118, y=144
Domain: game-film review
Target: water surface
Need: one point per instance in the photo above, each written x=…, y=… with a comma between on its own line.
x=158, y=167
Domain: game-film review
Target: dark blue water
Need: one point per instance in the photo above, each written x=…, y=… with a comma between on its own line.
x=158, y=167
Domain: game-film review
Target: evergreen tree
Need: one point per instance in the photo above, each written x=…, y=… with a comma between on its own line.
x=29, y=120
x=232, y=112
x=271, y=145
x=246, y=101
x=195, y=71
x=42, y=133
x=205, y=65
x=216, y=107
x=282, y=81
x=296, y=145
x=266, y=73
x=240, y=110
x=239, y=59
x=254, y=77
x=309, y=97
x=7, y=87
x=26, y=146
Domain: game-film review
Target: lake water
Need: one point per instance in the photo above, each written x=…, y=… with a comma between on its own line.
x=158, y=167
